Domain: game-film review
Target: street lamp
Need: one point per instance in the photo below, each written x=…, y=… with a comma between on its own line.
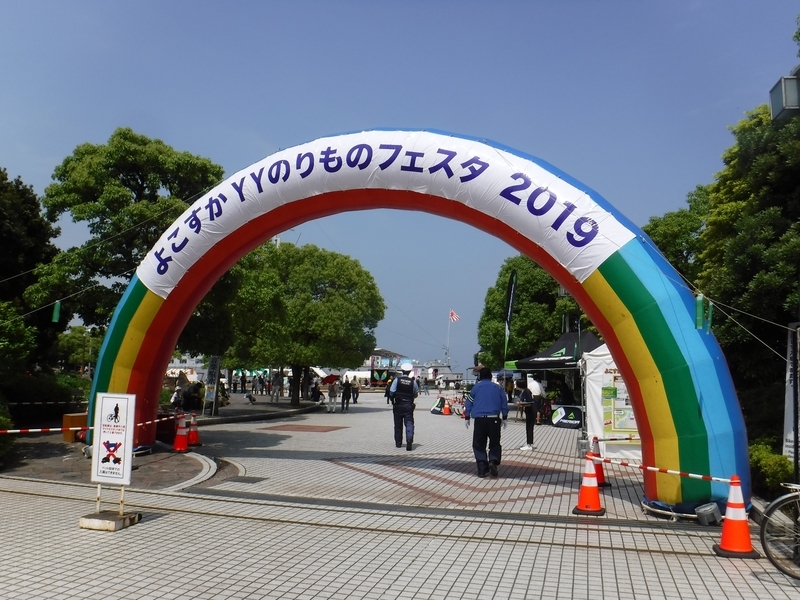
x=784, y=97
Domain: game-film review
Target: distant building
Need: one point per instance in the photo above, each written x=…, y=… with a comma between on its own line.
x=192, y=366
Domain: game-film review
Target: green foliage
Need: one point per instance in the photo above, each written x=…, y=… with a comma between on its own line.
x=539, y=314
x=36, y=388
x=6, y=441
x=209, y=331
x=75, y=382
x=768, y=469
x=79, y=346
x=164, y=396
x=677, y=234
x=303, y=306
x=128, y=192
x=24, y=244
x=751, y=247
x=796, y=36
x=17, y=340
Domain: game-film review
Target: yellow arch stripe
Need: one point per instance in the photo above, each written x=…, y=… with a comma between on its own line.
x=131, y=345
x=654, y=395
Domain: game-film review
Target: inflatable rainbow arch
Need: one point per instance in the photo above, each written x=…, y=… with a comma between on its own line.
x=686, y=408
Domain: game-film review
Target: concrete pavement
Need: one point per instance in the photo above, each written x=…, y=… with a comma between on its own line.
x=324, y=506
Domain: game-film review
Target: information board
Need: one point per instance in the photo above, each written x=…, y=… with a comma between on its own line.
x=112, y=450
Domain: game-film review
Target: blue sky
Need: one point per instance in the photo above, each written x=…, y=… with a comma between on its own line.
x=632, y=98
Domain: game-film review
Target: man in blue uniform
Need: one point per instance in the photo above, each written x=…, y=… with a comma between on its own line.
x=487, y=404
x=403, y=391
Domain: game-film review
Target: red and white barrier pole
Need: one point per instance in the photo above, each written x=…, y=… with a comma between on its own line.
x=623, y=463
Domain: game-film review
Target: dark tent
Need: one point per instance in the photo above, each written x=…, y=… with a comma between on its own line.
x=565, y=353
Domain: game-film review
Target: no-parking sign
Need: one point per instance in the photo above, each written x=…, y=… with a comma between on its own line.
x=112, y=451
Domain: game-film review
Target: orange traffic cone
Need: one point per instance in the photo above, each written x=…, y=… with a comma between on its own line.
x=446, y=409
x=735, y=541
x=589, y=496
x=194, y=434
x=598, y=466
x=180, y=444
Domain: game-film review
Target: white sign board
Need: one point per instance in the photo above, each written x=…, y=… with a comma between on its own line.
x=212, y=379
x=112, y=451
x=609, y=413
x=791, y=375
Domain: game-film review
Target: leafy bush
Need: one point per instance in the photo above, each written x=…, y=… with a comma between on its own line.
x=75, y=381
x=164, y=396
x=769, y=469
x=39, y=388
x=6, y=441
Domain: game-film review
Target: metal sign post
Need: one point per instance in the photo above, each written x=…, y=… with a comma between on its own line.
x=212, y=382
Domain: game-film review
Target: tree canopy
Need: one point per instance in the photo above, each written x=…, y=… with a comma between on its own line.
x=677, y=234
x=751, y=245
x=127, y=191
x=540, y=315
x=303, y=306
x=739, y=243
x=24, y=245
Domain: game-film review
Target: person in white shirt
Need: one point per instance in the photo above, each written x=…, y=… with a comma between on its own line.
x=533, y=397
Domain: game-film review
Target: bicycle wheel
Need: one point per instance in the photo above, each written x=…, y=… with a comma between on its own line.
x=780, y=534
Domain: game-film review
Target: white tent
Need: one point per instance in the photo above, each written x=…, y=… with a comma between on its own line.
x=608, y=409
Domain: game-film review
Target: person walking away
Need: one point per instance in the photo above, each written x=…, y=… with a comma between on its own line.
x=403, y=392
x=487, y=404
x=261, y=385
x=347, y=389
x=533, y=397
x=333, y=392
x=355, y=388
x=243, y=382
x=389, y=383
x=276, y=388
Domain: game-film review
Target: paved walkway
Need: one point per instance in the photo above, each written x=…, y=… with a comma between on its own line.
x=324, y=506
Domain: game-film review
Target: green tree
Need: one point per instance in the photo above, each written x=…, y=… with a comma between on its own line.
x=677, y=234
x=751, y=258
x=796, y=36
x=79, y=346
x=17, y=341
x=540, y=315
x=127, y=191
x=303, y=306
x=24, y=245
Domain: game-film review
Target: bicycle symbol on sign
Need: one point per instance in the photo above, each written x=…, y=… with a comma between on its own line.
x=114, y=417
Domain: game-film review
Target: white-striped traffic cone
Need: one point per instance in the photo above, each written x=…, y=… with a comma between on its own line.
x=735, y=541
x=589, y=496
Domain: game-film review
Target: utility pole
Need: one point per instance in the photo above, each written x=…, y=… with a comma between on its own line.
x=795, y=385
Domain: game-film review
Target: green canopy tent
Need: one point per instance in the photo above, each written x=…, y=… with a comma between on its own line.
x=565, y=353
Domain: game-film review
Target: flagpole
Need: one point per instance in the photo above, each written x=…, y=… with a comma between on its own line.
x=447, y=347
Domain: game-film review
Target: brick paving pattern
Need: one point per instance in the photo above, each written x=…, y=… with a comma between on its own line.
x=323, y=505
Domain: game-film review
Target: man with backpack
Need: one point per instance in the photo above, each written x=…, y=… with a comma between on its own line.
x=403, y=391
